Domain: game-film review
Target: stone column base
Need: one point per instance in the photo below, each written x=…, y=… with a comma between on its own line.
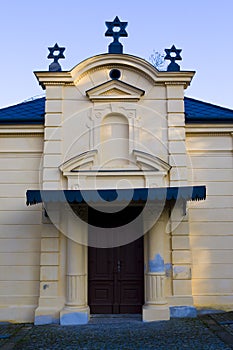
x=46, y=315
x=155, y=313
x=74, y=315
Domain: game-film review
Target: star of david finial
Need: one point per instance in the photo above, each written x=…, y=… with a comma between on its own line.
x=173, y=54
x=55, y=53
x=116, y=29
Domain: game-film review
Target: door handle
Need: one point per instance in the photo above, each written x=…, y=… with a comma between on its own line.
x=118, y=266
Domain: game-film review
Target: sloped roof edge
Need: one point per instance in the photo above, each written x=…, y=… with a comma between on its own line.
x=196, y=111
x=28, y=112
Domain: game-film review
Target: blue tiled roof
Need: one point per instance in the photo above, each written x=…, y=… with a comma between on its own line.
x=202, y=112
x=32, y=112
x=29, y=112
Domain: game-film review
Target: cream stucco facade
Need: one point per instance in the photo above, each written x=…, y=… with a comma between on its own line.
x=104, y=133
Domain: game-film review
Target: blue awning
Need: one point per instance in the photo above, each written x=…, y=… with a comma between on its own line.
x=187, y=193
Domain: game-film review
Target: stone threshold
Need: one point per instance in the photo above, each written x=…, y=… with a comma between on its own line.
x=118, y=316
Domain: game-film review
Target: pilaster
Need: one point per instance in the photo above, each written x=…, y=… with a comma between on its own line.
x=53, y=137
x=176, y=134
x=51, y=299
x=156, y=306
x=181, y=262
x=180, y=245
x=76, y=310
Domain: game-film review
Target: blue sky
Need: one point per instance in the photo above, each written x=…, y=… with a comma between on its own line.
x=203, y=29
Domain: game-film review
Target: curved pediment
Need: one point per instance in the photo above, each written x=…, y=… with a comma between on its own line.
x=114, y=90
x=118, y=61
x=148, y=161
x=84, y=160
x=141, y=66
x=144, y=160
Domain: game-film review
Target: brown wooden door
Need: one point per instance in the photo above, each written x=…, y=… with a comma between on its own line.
x=116, y=279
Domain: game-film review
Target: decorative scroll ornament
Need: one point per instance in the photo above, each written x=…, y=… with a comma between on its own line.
x=116, y=29
x=55, y=53
x=173, y=54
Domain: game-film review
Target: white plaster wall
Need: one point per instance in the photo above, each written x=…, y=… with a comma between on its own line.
x=20, y=158
x=211, y=221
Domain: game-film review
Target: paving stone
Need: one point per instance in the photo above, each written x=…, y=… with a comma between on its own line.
x=221, y=324
x=225, y=320
x=7, y=331
x=120, y=333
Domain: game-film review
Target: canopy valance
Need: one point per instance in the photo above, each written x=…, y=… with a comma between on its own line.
x=188, y=193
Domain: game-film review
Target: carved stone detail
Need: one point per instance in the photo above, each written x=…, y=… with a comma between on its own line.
x=155, y=288
x=99, y=112
x=112, y=66
x=76, y=291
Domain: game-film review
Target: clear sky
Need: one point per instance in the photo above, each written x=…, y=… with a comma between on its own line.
x=203, y=29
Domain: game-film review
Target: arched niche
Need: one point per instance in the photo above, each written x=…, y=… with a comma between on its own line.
x=114, y=141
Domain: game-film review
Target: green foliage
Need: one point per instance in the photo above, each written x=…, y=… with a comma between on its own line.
x=157, y=60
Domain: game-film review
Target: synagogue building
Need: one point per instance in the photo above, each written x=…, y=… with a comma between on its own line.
x=116, y=193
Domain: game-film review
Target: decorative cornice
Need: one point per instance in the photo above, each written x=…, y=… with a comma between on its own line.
x=25, y=127
x=126, y=61
x=210, y=133
x=208, y=129
x=168, y=83
x=58, y=83
x=21, y=134
x=21, y=131
x=54, y=78
x=118, y=61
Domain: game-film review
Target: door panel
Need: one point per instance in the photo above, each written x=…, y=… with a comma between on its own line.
x=131, y=298
x=116, y=278
x=101, y=280
x=101, y=264
x=102, y=295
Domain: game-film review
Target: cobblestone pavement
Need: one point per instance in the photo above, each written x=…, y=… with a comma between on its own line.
x=207, y=332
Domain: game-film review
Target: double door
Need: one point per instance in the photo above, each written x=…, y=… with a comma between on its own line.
x=116, y=279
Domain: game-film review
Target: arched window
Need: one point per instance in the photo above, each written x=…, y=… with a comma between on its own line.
x=114, y=137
